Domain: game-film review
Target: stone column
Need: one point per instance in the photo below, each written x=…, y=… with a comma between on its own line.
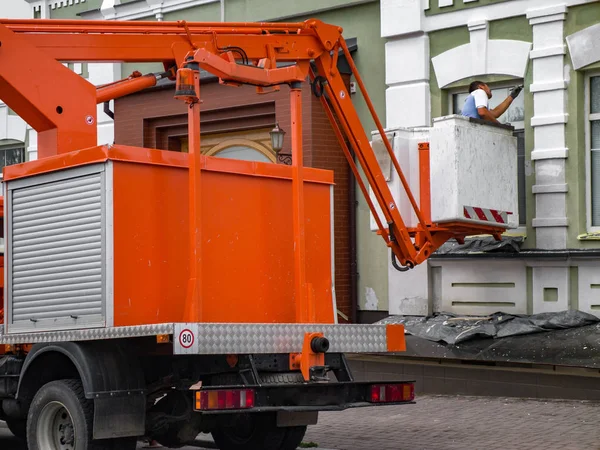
x=407, y=105
x=550, y=279
x=550, y=116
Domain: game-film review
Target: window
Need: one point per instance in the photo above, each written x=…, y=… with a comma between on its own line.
x=515, y=116
x=593, y=126
x=242, y=152
x=10, y=156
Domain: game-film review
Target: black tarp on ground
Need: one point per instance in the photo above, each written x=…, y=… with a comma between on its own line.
x=570, y=338
x=480, y=245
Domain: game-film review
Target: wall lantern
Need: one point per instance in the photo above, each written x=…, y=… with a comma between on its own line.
x=277, y=135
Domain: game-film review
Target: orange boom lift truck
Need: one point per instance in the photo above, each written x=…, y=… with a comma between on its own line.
x=163, y=294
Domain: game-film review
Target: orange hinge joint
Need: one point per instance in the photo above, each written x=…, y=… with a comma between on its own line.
x=313, y=354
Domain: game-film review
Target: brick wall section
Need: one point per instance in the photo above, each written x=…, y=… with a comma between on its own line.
x=327, y=154
x=138, y=118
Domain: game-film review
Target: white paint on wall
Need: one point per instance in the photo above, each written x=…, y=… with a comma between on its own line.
x=409, y=291
x=15, y=9
x=546, y=279
x=372, y=302
x=482, y=287
x=589, y=287
x=584, y=47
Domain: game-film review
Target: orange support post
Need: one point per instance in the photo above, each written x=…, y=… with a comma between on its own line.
x=298, y=206
x=193, y=311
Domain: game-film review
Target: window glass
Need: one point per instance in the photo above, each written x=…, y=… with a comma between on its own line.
x=595, y=171
x=594, y=141
x=515, y=113
x=595, y=133
x=595, y=95
x=10, y=156
x=242, y=152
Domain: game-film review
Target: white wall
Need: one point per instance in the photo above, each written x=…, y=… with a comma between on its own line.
x=15, y=9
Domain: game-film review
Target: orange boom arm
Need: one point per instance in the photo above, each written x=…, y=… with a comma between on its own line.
x=61, y=106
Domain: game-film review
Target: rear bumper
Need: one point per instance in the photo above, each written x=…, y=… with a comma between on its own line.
x=307, y=397
x=257, y=338
x=234, y=338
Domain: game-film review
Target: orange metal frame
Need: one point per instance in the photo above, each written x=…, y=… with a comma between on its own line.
x=61, y=107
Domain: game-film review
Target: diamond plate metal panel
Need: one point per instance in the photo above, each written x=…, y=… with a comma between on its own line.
x=85, y=335
x=218, y=339
x=276, y=338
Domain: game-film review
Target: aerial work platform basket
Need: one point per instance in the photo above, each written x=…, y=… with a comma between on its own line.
x=461, y=171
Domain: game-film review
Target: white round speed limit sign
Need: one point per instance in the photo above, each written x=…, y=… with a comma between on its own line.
x=186, y=338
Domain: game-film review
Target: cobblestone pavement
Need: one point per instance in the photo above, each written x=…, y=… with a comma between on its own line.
x=447, y=423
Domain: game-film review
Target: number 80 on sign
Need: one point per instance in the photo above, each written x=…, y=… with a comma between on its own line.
x=186, y=338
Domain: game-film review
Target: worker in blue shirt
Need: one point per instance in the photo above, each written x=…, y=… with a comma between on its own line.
x=477, y=103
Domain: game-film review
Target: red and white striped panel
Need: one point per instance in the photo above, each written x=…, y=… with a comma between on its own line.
x=486, y=215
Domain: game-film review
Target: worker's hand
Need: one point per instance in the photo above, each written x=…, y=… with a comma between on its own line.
x=514, y=93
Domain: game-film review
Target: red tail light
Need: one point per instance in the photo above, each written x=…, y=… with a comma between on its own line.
x=224, y=399
x=392, y=393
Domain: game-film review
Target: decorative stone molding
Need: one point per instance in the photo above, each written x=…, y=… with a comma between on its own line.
x=549, y=14
x=546, y=87
x=539, y=121
x=114, y=10
x=482, y=56
x=584, y=48
x=548, y=51
x=550, y=222
x=549, y=153
x=550, y=188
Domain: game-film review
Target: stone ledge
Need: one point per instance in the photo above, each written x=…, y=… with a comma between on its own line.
x=550, y=222
x=550, y=188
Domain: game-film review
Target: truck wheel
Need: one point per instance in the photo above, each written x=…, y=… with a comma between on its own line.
x=256, y=432
x=61, y=418
x=18, y=427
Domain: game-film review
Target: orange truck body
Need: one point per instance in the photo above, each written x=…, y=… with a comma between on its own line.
x=247, y=259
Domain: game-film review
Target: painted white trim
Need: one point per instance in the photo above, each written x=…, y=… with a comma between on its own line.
x=549, y=153
x=492, y=12
x=583, y=46
x=549, y=51
x=547, y=87
x=495, y=56
x=445, y=3
x=548, y=19
x=547, y=263
x=140, y=10
x=540, y=121
x=550, y=222
x=475, y=25
x=550, y=188
x=132, y=11
x=547, y=11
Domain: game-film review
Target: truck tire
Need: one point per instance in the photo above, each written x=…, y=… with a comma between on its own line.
x=61, y=418
x=256, y=432
x=18, y=427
